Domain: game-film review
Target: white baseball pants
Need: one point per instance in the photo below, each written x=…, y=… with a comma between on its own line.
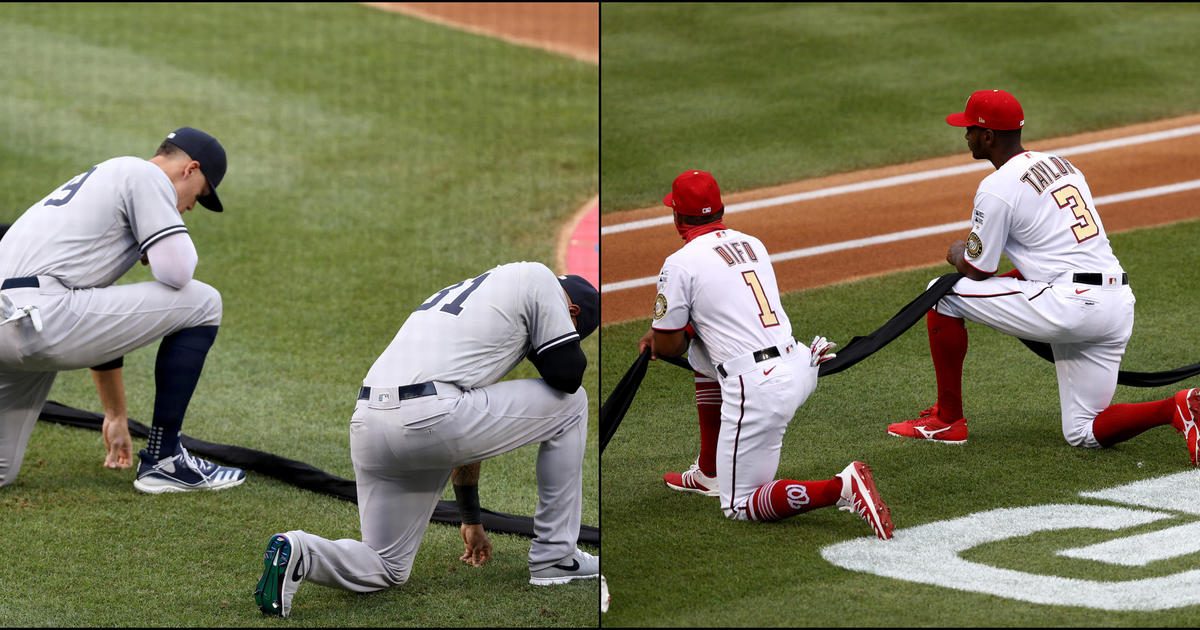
x=1087, y=326
x=756, y=407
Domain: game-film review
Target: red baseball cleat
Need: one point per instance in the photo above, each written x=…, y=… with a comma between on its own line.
x=1187, y=415
x=929, y=427
x=860, y=495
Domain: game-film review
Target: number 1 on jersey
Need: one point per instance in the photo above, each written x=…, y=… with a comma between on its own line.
x=765, y=313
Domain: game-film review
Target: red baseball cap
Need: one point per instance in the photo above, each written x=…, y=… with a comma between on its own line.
x=694, y=193
x=990, y=109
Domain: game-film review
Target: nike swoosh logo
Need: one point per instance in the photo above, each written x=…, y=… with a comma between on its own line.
x=574, y=565
x=298, y=572
x=1077, y=291
x=767, y=372
x=928, y=434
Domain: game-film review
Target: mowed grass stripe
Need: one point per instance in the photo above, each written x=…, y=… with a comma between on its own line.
x=761, y=94
x=374, y=159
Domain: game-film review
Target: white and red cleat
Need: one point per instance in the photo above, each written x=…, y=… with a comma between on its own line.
x=860, y=495
x=1187, y=415
x=692, y=480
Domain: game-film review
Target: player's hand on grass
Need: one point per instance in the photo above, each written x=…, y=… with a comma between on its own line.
x=478, y=547
x=117, y=442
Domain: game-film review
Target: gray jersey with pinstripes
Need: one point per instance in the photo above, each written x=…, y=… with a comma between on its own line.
x=508, y=310
x=91, y=230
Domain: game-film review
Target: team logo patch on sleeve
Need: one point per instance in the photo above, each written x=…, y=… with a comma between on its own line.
x=660, y=306
x=974, y=246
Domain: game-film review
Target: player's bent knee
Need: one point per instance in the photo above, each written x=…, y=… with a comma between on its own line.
x=395, y=574
x=208, y=303
x=1081, y=438
x=734, y=514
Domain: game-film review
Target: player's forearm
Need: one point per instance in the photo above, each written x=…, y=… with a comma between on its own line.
x=465, y=480
x=670, y=344
x=110, y=386
x=956, y=256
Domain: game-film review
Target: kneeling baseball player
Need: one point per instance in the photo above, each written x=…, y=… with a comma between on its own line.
x=1068, y=290
x=718, y=300
x=433, y=406
x=61, y=310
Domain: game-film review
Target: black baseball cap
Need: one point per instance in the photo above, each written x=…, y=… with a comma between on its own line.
x=587, y=298
x=209, y=153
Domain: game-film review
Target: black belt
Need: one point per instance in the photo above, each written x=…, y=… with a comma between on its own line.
x=403, y=393
x=1096, y=278
x=19, y=283
x=759, y=357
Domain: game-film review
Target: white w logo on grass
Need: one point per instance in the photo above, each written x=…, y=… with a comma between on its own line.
x=930, y=554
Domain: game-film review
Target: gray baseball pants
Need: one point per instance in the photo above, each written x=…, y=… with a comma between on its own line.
x=404, y=453
x=82, y=328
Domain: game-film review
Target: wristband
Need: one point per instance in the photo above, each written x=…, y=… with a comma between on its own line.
x=467, y=498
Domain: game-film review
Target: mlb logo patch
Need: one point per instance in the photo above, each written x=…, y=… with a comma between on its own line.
x=384, y=397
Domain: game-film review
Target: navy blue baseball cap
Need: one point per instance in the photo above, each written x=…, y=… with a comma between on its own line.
x=209, y=153
x=587, y=298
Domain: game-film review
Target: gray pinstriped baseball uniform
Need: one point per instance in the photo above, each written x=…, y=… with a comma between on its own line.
x=463, y=339
x=77, y=241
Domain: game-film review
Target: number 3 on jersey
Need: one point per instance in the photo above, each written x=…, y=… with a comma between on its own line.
x=765, y=313
x=1069, y=198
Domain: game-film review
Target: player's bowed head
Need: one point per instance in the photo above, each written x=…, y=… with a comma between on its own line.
x=195, y=163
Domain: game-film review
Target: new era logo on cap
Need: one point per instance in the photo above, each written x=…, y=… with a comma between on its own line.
x=694, y=193
x=990, y=109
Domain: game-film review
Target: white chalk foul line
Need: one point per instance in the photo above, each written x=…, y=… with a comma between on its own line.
x=918, y=233
x=899, y=180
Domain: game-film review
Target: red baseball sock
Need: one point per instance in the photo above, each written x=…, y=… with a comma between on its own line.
x=948, y=347
x=1120, y=422
x=787, y=497
x=708, y=408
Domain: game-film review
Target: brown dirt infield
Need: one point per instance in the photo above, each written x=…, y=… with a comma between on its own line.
x=568, y=28
x=639, y=253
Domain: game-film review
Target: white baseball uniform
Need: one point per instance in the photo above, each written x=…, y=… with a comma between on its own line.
x=66, y=250
x=1037, y=208
x=449, y=356
x=724, y=285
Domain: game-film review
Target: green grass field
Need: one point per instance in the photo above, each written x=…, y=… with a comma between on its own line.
x=761, y=94
x=674, y=560
x=765, y=93
x=373, y=159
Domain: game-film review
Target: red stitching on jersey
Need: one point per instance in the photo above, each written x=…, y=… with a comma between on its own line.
x=1039, y=293
x=982, y=295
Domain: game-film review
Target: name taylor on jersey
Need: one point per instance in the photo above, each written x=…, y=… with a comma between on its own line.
x=1046, y=172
